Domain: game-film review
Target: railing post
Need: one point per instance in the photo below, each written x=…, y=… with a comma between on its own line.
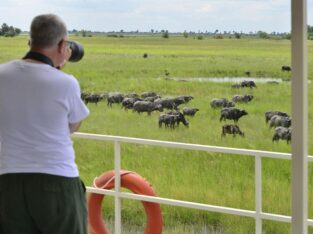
x=299, y=117
x=258, y=194
x=117, y=185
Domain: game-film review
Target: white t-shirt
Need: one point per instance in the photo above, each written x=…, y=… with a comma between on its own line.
x=37, y=103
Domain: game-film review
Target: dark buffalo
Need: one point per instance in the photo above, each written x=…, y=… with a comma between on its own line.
x=286, y=68
x=149, y=94
x=231, y=129
x=168, y=120
x=221, y=102
x=180, y=118
x=283, y=134
x=243, y=98
x=128, y=103
x=114, y=98
x=166, y=103
x=232, y=114
x=145, y=106
x=283, y=121
x=270, y=114
x=92, y=98
x=190, y=111
x=248, y=83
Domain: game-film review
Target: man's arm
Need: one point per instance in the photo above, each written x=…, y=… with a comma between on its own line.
x=74, y=126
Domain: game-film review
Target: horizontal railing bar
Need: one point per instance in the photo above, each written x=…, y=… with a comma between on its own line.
x=276, y=217
x=219, y=149
x=167, y=201
x=195, y=205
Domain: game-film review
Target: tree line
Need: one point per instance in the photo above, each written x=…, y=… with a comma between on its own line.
x=9, y=31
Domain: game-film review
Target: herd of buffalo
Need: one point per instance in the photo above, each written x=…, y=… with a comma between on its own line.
x=173, y=116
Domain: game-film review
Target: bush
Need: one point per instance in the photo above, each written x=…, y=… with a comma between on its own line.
x=237, y=35
x=165, y=34
x=112, y=35
x=263, y=35
x=218, y=37
x=185, y=34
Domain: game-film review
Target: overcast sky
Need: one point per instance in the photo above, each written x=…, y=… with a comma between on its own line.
x=144, y=15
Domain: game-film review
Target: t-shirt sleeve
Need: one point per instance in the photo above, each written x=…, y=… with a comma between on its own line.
x=77, y=108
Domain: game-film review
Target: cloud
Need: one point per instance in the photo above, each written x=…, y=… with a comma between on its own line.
x=174, y=15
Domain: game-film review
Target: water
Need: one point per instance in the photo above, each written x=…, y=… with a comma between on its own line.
x=228, y=79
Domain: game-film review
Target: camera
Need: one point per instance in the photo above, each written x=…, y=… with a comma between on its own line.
x=77, y=51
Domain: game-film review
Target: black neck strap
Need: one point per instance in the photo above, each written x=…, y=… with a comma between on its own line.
x=39, y=57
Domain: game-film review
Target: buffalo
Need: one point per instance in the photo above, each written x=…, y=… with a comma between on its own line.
x=286, y=68
x=145, y=106
x=231, y=129
x=190, y=111
x=283, y=134
x=221, y=102
x=232, y=114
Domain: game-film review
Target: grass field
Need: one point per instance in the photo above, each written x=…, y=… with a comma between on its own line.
x=116, y=64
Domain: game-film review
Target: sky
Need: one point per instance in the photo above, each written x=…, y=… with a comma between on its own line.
x=144, y=15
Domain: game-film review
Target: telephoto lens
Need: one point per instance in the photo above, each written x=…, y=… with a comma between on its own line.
x=77, y=51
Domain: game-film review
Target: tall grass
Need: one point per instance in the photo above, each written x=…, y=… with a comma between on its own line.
x=116, y=64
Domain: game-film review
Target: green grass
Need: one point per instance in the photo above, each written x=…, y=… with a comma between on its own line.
x=116, y=64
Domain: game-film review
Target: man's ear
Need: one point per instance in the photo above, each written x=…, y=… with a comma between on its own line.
x=61, y=46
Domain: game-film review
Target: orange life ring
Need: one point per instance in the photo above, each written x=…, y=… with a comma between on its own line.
x=136, y=184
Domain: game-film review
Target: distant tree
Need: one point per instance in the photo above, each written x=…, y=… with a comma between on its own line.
x=216, y=31
x=84, y=33
x=9, y=31
x=287, y=36
x=152, y=31
x=237, y=35
x=219, y=36
x=165, y=34
x=17, y=31
x=200, y=37
x=185, y=34
x=4, y=29
x=310, y=32
x=262, y=35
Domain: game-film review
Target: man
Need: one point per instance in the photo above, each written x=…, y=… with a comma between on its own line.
x=40, y=189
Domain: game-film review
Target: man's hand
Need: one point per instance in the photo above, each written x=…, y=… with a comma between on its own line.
x=74, y=127
x=68, y=53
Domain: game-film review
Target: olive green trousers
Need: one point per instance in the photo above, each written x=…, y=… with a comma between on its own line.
x=35, y=203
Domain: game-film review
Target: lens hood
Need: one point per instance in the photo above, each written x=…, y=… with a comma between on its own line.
x=77, y=51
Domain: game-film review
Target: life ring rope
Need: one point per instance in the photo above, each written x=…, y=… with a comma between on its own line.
x=135, y=183
x=94, y=184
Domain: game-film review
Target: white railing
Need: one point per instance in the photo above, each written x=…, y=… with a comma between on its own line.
x=257, y=214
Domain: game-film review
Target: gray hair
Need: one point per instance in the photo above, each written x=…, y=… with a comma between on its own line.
x=47, y=30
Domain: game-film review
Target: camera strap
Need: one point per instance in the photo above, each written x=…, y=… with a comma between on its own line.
x=39, y=57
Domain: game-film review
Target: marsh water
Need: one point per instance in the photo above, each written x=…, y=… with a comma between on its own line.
x=227, y=79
